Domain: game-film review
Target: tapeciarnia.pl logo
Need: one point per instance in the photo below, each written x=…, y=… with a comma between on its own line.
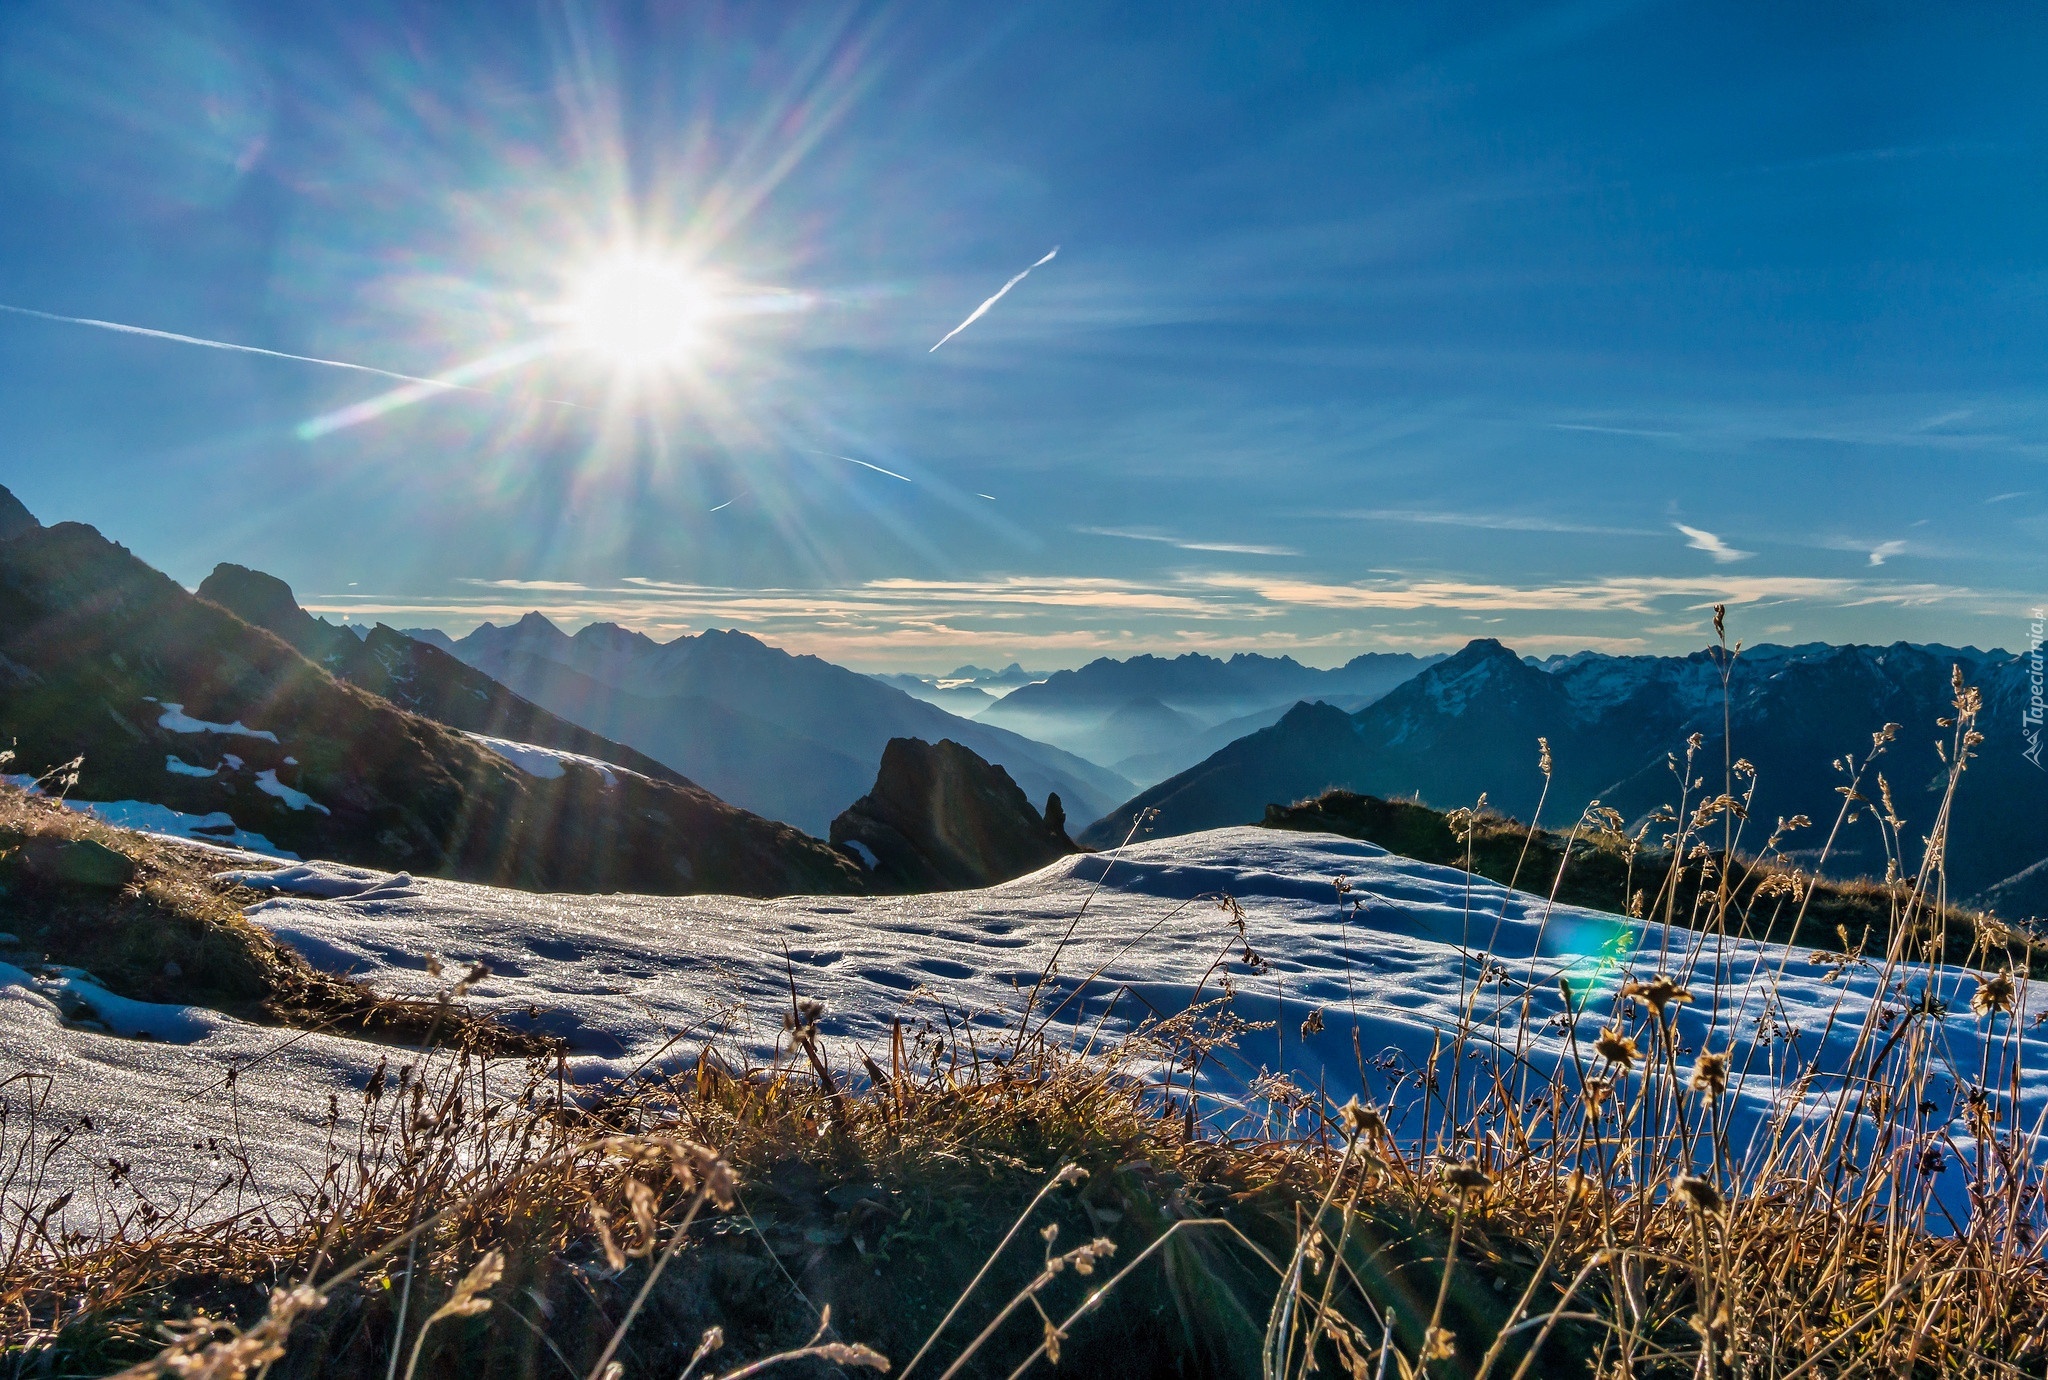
x=2030, y=721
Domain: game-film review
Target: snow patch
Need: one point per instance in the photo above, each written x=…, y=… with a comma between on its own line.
x=545, y=762
x=267, y=782
x=178, y=766
x=177, y=720
x=74, y=995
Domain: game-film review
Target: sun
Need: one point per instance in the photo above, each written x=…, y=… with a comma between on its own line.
x=638, y=311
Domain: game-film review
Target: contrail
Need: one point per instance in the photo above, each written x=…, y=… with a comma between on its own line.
x=370, y=409
x=256, y=350
x=876, y=468
x=982, y=310
x=862, y=463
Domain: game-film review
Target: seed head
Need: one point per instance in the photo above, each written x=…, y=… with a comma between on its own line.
x=1993, y=994
x=1617, y=1048
x=1700, y=1193
x=1466, y=1176
x=1659, y=992
x=1710, y=1074
x=1363, y=1119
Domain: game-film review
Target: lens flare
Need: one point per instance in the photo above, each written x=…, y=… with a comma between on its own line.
x=640, y=312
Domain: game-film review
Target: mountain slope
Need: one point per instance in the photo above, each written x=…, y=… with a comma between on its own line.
x=1470, y=724
x=809, y=716
x=413, y=675
x=754, y=763
x=173, y=701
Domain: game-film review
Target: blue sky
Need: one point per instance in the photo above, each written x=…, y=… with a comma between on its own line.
x=1371, y=327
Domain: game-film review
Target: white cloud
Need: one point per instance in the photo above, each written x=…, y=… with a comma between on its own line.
x=1885, y=550
x=1701, y=540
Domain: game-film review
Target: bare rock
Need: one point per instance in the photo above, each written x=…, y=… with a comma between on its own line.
x=941, y=819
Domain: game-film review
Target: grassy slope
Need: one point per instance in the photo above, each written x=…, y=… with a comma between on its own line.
x=1600, y=875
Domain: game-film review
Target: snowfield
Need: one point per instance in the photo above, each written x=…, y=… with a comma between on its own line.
x=629, y=979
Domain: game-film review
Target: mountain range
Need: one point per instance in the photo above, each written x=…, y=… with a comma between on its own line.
x=1149, y=717
x=964, y=690
x=791, y=737
x=1615, y=727
x=183, y=716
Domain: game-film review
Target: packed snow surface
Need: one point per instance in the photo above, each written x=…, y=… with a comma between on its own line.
x=630, y=979
x=545, y=762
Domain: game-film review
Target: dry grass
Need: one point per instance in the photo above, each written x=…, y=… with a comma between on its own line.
x=1600, y=866
x=1486, y=1219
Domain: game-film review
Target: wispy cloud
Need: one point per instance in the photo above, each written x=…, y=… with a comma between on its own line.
x=2007, y=498
x=1885, y=550
x=1187, y=544
x=1001, y=292
x=1493, y=522
x=1617, y=430
x=1700, y=539
x=1635, y=594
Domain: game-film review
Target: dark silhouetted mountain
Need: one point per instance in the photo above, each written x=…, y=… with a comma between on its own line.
x=177, y=705
x=1470, y=724
x=15, y=519
x=1104, y=710
x=414, y=675
x=941, y=819
x=806, y=719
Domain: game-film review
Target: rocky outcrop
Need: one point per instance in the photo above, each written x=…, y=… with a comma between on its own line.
x=941, y=819
x=267, y=602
